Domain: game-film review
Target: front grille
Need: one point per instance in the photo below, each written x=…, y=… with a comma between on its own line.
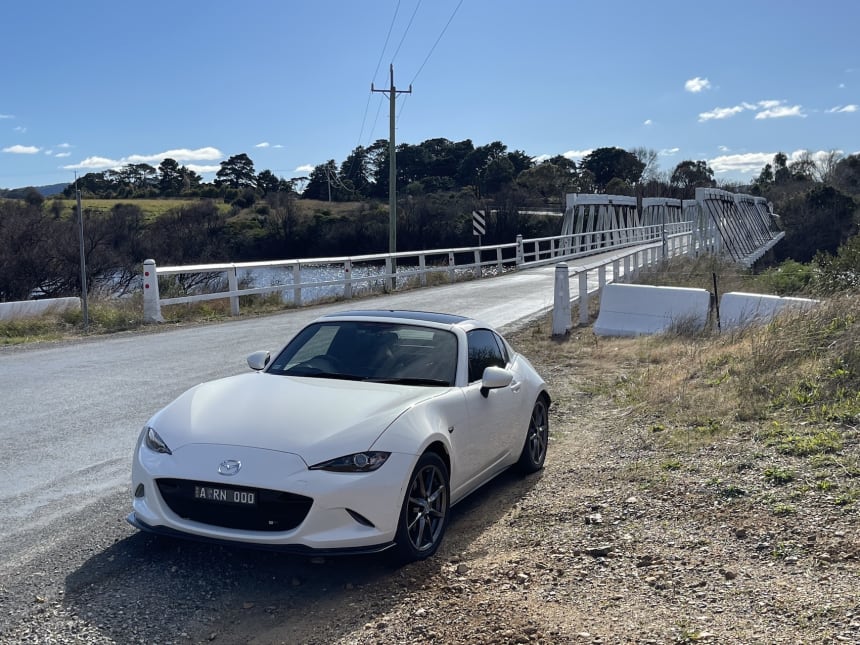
x=275, y=510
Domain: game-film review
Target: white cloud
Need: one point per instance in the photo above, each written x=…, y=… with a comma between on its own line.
x=22, y=150
x=61, y=155
x=7, y=116
x=179, y=154
x=842, y=86
x=723, y=148
x=20, y=128
x=720, y=113
x=65, y=145
x=780, y=111
x=743, y=163
x=263, y=144
x=577, y=154
x=541, y=158
x=668, y=152
x=202, y=170
x=753, y=162
x=696, y=85
x=277, y=145
x=843, y=109
x=305, y=168
x=767, y=105
x=648, y=122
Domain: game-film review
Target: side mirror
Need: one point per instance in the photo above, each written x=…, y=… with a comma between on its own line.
x=495, y=378
x=259, y=360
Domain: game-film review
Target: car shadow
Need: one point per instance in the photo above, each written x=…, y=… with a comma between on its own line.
x=147, y=588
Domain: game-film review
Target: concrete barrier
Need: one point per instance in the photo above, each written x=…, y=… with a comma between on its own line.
x=33, y=308
x=743, y=309
x=635, y=310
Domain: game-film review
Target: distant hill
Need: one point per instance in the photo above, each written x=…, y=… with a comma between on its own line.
x=45, y=191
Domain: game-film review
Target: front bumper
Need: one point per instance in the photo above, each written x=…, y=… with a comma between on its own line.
x=349, y=513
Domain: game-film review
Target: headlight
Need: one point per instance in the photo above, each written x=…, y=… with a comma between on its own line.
x=360, y=462
x=154, y=441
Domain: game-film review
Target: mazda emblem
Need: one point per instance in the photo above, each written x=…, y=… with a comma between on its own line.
x=229, y=467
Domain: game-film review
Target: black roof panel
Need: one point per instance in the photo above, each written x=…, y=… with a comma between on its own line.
x=428, y=316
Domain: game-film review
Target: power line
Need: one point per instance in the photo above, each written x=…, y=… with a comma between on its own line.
x=396, y=51
x=432, y=49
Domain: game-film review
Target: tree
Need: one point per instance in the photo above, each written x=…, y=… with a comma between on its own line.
x=319, y=183
x=820, y=219
x=648, y=157
x=608, y=163
x=236, y=172
x=169, y=177
x=689, y=175
x=267, y=182
x=846, y=175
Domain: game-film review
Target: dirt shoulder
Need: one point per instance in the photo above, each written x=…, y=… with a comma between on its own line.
x=625, y=537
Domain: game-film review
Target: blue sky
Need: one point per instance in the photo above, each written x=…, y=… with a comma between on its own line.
x=96, y=84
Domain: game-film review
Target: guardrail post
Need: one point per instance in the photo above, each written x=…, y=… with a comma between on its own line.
x=347, y=274
x=561, y=321
x=478, y=263
x=627, y=267
x=422, y=269
x=151, y=302
x=499, y=266
x=451, y=274
x=583, y=297
x=615, y=267
x=601, y=277
x=297, y=282
x=233, y=286
x=520, y=253
x=389, y=275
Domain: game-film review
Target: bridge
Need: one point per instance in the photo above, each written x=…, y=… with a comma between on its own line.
x=610, y=229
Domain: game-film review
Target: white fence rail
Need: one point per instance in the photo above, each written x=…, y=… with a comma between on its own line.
x=385, y=271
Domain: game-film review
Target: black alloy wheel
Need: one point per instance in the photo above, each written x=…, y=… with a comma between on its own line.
x=424, y=515
x=537, y=438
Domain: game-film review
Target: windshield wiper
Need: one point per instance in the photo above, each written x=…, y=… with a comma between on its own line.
x=435, y=382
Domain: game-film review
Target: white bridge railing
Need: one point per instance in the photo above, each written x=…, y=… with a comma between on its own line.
x=386, y=271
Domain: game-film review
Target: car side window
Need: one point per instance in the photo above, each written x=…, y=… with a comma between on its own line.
x=484, y=351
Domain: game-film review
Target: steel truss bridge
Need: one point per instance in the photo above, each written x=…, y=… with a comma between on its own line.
x=739, y=227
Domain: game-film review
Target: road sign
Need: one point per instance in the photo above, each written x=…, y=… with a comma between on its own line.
x=479, y=223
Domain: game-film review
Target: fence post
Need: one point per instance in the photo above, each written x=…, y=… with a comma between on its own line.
x=583, y=297
x=151, y=301
x=297, y=281
x=422, y=270
x=233, y=285
x=561, y=321
x=451, y=274
x=478, y=271
x=389, y=276
x=347, y=274
x=499, y=265
x=520, y=253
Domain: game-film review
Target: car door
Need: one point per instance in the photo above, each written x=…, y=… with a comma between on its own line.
x=492, y=413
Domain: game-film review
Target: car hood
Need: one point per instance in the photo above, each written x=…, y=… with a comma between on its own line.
x=316, y=418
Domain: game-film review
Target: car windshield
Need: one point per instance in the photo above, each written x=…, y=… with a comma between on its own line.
x=371, y=351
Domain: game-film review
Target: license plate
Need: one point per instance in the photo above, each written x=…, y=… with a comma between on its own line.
x=226, y=495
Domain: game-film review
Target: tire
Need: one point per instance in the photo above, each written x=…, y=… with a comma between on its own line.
x=537, y=439
x=424, y=514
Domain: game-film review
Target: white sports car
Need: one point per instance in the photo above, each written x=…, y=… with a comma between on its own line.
x=356, y=437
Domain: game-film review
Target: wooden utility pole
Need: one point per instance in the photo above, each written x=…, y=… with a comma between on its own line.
x=392, y=166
